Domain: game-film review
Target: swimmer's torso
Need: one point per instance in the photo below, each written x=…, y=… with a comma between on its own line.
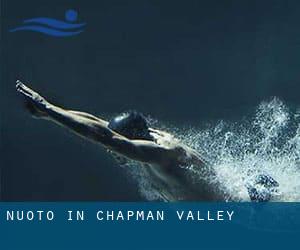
x=178, y=179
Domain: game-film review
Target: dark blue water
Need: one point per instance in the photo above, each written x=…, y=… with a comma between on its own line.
x=185, y=64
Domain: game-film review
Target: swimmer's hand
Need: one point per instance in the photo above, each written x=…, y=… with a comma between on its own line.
x=35, y=103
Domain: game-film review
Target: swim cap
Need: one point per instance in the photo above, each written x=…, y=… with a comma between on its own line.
x=132, y=125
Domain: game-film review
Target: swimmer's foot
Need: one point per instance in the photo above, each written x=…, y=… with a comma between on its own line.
x=34, y=103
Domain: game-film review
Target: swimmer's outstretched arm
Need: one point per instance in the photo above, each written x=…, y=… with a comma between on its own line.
x=95, y=129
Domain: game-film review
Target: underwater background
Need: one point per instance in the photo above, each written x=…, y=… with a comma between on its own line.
x=222, y=75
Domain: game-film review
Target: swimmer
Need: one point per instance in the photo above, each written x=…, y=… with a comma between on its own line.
x=129, y=136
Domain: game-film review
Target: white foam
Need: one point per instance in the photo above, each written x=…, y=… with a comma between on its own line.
x=268, y=142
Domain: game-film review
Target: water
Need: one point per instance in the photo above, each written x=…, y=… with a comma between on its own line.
x=268, y=141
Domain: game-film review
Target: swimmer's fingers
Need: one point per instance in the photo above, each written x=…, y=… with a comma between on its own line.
x=37, y=102
x=161, y=133
x=154, y=130
x=28, y=93
x=23, y=89
x=154, y=135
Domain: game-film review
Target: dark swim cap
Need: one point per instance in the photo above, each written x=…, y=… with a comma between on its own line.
x=132, y=125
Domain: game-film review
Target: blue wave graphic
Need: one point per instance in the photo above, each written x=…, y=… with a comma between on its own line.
x=53, y=23
x=55, y=27
x=47, y=31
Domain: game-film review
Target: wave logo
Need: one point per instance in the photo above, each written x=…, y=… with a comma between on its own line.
x=53, y=27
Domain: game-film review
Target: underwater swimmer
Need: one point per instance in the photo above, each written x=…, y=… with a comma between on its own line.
x=128, y=135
